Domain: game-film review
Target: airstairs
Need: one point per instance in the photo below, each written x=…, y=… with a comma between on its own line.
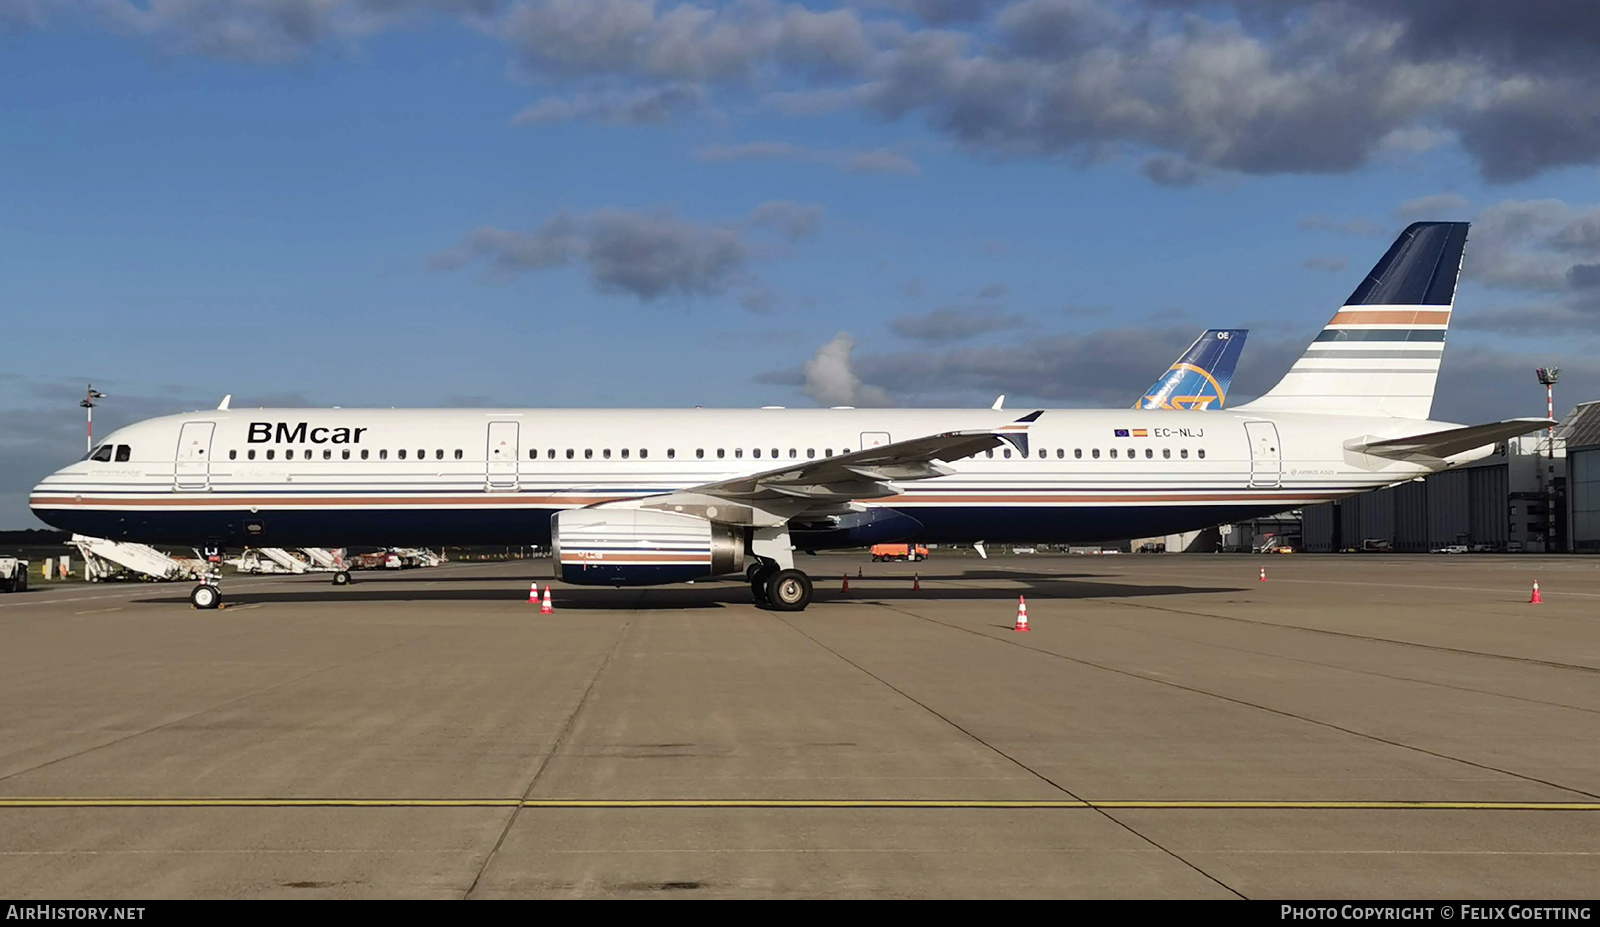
x=107, y=559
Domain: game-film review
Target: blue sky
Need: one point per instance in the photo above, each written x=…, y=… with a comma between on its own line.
x=336, y=202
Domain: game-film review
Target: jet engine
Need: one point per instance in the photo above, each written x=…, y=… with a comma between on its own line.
x=634, y=547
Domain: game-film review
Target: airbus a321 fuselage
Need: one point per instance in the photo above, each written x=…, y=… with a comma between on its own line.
x=647, y=496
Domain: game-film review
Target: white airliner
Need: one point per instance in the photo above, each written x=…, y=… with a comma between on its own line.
x=647, y=496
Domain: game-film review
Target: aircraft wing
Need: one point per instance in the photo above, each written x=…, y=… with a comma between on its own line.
x=820, y=484
x=1453, y=440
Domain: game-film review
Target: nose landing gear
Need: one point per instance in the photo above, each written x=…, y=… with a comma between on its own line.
x=208, y=594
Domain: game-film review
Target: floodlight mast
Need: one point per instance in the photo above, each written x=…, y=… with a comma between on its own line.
x=88, y=407
x=1548, y=376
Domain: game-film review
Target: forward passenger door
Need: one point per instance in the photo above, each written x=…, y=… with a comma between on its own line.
x=192, y=469
x=502, y=457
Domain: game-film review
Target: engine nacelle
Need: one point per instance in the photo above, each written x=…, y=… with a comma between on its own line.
x=633, y=547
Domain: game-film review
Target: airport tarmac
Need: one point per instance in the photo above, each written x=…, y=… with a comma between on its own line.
x=1358, y=726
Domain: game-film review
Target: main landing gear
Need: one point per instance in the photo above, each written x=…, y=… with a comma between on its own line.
x=777, y=588
x=341, y=578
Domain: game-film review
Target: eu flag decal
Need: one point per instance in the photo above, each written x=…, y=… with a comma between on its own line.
x=1121, y=432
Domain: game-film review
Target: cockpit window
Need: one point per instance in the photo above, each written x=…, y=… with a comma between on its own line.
x=101, y=453
x=122, y=453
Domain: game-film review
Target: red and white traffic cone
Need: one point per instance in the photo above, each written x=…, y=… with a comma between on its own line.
x=1263, y=574
x=916, y=582
x=533, y=593
x=1022, y=614
x=846, y=587
x=1537, y=598
x=546, y=608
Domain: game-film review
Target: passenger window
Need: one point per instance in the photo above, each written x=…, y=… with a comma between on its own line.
x=1113, y=453
x=550, y=454
x=363, y=453
x=122, y=453
x=827, y=452
x=793, y=454
x=1061, y=453
x=1041, y=453
x=345, y=454
x=533, y=453
x=811, y=453
x=438, y=453
x=383, y=454
x=774, y=453
x=1148, y=453
x=1095, y=453
x=624, y=453
x=1007, y=452
x=699, y=452
x=721, y=453
x=458, y=453
x=1166, y=452
x=845, y=451
x=1184, y=453
x=738, y=453
x=269, y=453
x=755, y=452
x=569, y=453
x=989, y=453
x=1132, y=453
x=671, y=453
x=401, y=453
x=606, y=453
x=233, y=455
x=1201, y=453
x=588, y=453
x=289, y=454
x=327, y=453
x=251, y=454
x=1077, y=452
x=644, y=452
x=422, y=455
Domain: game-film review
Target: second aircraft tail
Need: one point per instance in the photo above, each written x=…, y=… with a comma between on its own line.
x=1200, y=377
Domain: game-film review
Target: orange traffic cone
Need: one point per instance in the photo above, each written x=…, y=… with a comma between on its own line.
x=533, y=593
x=1022, y=614
x=546, y=608
x=846, y=583
x=1537, y=598
x=916, y=582
x=1263, y=574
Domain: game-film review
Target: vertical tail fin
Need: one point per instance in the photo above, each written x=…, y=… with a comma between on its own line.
x=1380, y=354
x=1200, y=377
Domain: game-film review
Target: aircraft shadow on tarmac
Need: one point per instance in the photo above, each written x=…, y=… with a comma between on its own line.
x=710, y=594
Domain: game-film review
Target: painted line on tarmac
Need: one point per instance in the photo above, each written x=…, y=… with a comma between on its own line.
x=142, y=589
x=822, y=803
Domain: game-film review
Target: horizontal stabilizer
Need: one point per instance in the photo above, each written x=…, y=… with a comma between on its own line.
x=1452, y=441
